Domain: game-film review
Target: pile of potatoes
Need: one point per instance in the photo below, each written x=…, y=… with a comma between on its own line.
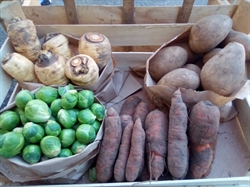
x=213, y=58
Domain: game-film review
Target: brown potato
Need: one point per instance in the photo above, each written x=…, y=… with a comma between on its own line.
x=193, y=67
x=166, y=60
x=224, y=72
x=208, y=32
x=181, y=77
x=210, y=54
x=240, y=37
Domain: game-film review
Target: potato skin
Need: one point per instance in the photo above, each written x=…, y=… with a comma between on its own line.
x=224, y=72
x=208, y=32
x=166, y=60
x=193, y=67
x=181, y=77
x=210, y=54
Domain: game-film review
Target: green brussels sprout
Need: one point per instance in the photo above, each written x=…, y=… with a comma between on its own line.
x=55, y=106
x=50, y=146
x=98, y=110
x=85, y=99
x=65, y=152
x=33, y=132
x=67, y=137
x=23, y=97
x=85, y=133
x=52, y=128
x=77, y=147
x=67, y=118
x=22, y=116
x=9, y=120
x=46, y=94
x=37, y=111
x=18, y=129
x=86, y=116
x=63, y=89
x=2, y=131
x=92, y=174
x=11, y=144
x=32, y=154
x=69, y=99
x=96, y=124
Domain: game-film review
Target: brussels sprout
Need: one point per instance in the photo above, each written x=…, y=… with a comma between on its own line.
x=67, y=137
x=2, y=131
x=55, y=106
x=67, y=118
x=63, y=89
x=85, y=116
x=22, y=116
x=85, y=133
x=77, y=147
x=11, y=144
x=46, y=94
x=92, y=174
x=52, y=128
x=96, y=124
x=23, y=97
x=33, y=132
x=18, y=129
x=98, y=110
x=37, y=111
x=66, y=152
x=69, y=99
x=85, y=99
x=50, y=146
x=31, y=154
x=9, y=120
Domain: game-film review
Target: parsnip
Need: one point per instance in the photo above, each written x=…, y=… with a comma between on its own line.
x=50, y=68
x=19, y=67
x=23, y=36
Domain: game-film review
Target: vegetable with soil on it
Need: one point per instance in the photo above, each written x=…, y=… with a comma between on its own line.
x=125, y=120
x=23, y=36
x=178, y=153
x=109, y=146
x=141, y=111
x=135, y=161
x=50, y=68
x=129, y=105
x=156, y=127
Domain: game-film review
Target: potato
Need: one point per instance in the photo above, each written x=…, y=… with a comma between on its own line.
x=181, y=77
x=240, y=37
x=208, y=32
x=210, y=54
x=166, y=60
x=224, y=72
x=193, y=67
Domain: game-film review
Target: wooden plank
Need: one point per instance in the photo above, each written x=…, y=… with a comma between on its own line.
x=70, y=7
x=122, y=34
x=8, y=10
x=113, y=14
x=241, y=17
x=185, y=11
x=128, y=11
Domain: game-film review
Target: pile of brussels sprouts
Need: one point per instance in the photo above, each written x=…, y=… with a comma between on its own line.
x=50, y=123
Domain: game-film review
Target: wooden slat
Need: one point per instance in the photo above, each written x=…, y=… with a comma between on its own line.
x=113, y=14
x=70, y=7
x=128, y=11
x=185, y=11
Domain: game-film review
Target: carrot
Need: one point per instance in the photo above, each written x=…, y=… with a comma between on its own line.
x=125, y=120
x=201, y=157
x=109, y=146
x=141, y=111
x=129, y=105
x=121, y=161
x=136, y=154
x=156, y=126
x=178, y=154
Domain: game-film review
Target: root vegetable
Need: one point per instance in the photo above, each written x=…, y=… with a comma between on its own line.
x=135, y=160
x=121, y=161
x=23, y=36
x=50, y=69
x=141, y=111
x=97, y=46
x=19, y=67
x=109, y=146
x=58, y=44
x=82, y=70
x=156, y=126
x=129, y=105
x=125, y=120
x=178, y=154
